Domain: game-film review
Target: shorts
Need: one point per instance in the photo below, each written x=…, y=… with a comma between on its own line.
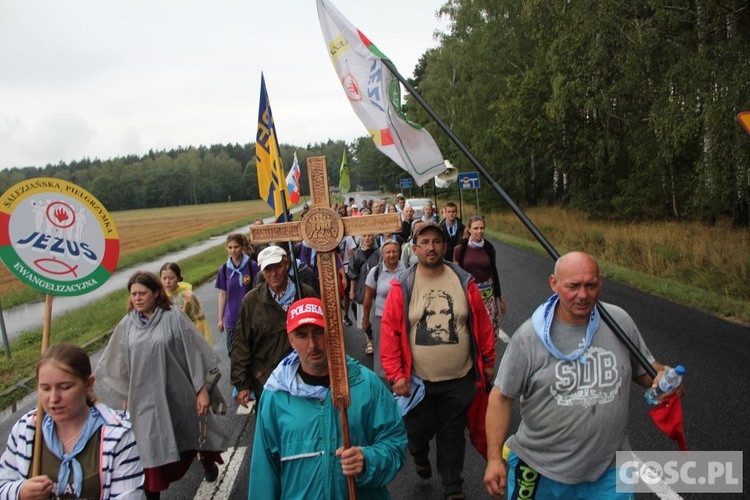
x=526, y=483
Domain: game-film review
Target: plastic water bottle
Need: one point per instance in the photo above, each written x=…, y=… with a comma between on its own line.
x=671, y=379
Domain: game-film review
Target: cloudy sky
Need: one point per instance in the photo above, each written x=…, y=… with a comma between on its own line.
x=92, y=78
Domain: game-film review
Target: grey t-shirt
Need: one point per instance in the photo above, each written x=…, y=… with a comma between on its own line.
x=574, y=415
x=383, y=284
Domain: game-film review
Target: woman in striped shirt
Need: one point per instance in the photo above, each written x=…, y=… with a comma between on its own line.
x=88, y=449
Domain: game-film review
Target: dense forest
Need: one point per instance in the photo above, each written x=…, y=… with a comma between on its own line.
x=625, y=110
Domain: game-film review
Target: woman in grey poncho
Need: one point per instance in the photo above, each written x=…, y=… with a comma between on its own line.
x=158, y=363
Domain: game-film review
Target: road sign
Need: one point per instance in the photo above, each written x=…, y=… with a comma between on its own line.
x=744, y=119
x=468, y=180
x=405, y=183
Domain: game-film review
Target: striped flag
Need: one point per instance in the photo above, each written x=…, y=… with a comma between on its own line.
x=292, y=181
x=271, y=178
x=375, y=95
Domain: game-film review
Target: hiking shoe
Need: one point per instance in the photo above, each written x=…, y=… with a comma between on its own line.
x=211, y=473
x=423, y=470
x=347, y=321
x=501, y=335
x=369, y=349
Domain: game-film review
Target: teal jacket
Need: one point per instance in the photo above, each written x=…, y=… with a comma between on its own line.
x=298, y=431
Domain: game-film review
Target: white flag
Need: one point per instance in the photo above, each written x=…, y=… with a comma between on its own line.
x=375, y=95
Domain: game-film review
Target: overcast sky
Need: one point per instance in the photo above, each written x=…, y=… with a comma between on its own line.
x=92, y=78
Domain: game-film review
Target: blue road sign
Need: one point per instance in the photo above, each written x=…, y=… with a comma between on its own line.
x=405, y=183
x=468, y=180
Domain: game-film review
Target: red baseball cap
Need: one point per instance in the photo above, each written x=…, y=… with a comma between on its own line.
x=305, y=312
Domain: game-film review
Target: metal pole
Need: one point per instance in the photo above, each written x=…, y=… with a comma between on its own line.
x=476, y=190
x=519, y=213
x=6, y=344
x=461, y=201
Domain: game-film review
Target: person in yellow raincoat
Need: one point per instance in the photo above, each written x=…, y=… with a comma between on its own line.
x=183, y=297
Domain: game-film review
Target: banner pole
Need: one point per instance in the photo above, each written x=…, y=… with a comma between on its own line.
x=36, y=468
x=519, y=213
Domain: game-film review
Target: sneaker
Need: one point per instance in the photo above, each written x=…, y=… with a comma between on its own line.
x=211, y=473
x=455, y=496
x=423, y=470
x=369, y=349
x=501, y=335
x=347, y=321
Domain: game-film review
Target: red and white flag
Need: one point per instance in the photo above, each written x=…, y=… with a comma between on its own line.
x=292, y=181
x=375, y=95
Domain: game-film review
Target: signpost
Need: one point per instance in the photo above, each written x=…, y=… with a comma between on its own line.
x=405, y=183
x=469, y=180
x=58, y=238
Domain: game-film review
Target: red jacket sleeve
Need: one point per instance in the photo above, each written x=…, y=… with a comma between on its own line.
x=392, y=327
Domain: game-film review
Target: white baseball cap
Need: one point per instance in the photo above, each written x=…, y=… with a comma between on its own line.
x=270, y=255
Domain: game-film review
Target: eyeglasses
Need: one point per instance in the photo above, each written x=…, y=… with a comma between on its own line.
x=475, y=218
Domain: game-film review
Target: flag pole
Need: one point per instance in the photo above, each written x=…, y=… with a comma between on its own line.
x=519, y=213
x=36, y=465
x=287, y=215
x=284, y=207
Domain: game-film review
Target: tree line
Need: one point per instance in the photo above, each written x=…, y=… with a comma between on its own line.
x=622, y=109
x=205, y=174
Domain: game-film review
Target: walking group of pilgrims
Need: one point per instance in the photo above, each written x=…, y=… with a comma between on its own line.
x=427, y=300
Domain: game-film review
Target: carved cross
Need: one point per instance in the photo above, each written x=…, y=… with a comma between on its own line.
x=322, y=228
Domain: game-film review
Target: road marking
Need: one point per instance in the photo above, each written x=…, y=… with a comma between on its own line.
x=222, y=487
x=660, y=489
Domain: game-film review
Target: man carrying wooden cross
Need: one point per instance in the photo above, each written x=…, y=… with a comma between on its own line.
x=322, y=229
x=297, y=434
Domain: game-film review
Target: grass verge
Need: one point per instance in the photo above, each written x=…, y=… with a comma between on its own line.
x=709, y=301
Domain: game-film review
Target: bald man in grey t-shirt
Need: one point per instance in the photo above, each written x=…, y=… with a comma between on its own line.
x=573, y=377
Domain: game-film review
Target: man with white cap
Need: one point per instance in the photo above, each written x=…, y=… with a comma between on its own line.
x=260, y=338
x=298, y=446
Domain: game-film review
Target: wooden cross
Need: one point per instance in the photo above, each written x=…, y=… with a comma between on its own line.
x=322, y=228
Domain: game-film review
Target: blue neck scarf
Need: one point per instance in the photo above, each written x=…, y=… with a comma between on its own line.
x=451, y=229
x=285, y=299
x=237, y=269
x=542, y=321
x=284, y=379
x=93, y=422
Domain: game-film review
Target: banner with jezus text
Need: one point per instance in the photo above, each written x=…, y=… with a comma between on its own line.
x=57, y=237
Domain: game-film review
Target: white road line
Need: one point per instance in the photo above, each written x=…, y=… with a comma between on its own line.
x=222, y=487
x=660, y=489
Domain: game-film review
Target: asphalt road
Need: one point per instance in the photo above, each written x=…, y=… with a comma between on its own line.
x=715, y=352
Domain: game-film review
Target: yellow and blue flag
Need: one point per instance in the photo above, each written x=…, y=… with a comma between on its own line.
x=271, y=180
